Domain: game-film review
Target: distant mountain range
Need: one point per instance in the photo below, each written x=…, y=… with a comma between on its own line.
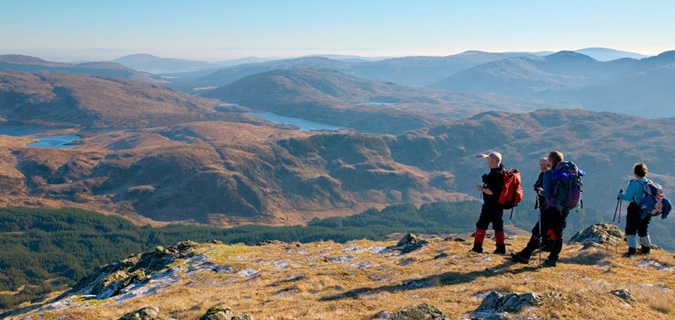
x=13, y=62
x=409, y=70
x=605, y=54
x=156, y=65
x=643, y=87
x=369, y=106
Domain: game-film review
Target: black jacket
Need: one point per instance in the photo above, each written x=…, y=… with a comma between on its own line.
x=540, y=184
x=495, y=182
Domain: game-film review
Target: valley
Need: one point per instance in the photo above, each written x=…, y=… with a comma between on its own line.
x=296, y=154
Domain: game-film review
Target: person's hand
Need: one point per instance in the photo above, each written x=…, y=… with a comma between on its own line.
x=482, y=156
x=479, y=188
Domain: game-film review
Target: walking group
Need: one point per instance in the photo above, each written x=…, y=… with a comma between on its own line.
x=559, y=188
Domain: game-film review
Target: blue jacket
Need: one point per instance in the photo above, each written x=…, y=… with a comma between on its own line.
x=547, y=187
x=633, y=191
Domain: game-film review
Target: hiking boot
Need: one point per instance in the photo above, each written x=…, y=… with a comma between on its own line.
x=477, y=247
x=645, y=250
x=501, y=249
x=550, y=262
x=630, y=252
x=519, y=258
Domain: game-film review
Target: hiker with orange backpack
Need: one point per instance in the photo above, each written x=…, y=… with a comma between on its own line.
x=491, y=211
x=562, y=190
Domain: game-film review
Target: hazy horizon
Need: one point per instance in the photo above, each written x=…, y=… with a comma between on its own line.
x=72, y=30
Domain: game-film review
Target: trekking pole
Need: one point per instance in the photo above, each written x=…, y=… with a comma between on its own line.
x=618, y=204
x=540, y=237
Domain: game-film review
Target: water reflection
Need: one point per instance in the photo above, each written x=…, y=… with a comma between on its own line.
x=305, y=125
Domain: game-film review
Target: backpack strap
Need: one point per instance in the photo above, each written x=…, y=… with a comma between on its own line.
x=643, y=184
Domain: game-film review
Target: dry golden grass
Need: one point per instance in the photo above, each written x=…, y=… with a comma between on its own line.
x=311, y=281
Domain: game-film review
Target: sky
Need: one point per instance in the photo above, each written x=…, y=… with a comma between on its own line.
x=209, y=30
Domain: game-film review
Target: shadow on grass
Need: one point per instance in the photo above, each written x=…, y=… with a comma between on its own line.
x=18, y=311
x=443, y=279
x=587, y=258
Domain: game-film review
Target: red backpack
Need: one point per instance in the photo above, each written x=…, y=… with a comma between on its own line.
x=512, y=193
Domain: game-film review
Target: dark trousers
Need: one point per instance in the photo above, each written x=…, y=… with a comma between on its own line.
x=553, y=222
x=491, y=214
x=635, y=224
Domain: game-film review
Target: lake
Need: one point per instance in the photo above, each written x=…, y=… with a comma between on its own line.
x=59, y=141
x=305, y=125
x=17, y=129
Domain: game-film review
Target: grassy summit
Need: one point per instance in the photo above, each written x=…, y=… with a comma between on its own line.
x=361, y=279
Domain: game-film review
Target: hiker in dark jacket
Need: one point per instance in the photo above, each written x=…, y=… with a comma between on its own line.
x=491, y=211
x=634, y=222
x=541, y=200
x=552, y=220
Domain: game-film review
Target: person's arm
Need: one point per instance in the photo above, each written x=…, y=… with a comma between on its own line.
x=632, y=190
x=494, y=183
x=546, y=187
x=539, y=183
x=485, y=190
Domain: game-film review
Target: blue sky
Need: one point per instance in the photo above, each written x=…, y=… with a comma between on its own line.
x=220, y=30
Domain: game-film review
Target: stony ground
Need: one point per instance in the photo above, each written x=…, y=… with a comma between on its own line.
x=367, y=279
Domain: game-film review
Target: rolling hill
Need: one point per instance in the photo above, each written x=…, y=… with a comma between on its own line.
x=153, y=64
x=407, y=70
x=97, y=102
x=227, y=173
x=607, y=54
x=13, y=62
x=333, y=97
x=625, y=85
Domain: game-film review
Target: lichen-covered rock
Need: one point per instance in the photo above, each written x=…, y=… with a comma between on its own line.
x=268, y=242
x=420, y=312
x=510, y=302
x=624, y=294
x=409, y=243
x=147, y=313
x=111, y=280
x=602, y=233
x=218, y=312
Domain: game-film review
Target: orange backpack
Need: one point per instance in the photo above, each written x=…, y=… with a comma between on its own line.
x=512, y=193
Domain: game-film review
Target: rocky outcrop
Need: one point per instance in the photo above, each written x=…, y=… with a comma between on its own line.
x=112, y=279
x=223, y=312
x=409, y=243
x=423, y=311
x=147, y=313
x=624, y=294
x=601, y=233
x=495, y=304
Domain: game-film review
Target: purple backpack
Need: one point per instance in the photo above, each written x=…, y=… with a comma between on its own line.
x=566, y=186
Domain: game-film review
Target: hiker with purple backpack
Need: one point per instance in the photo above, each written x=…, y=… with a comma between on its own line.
x=562, y=192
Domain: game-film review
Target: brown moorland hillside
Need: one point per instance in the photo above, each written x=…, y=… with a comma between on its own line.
x=222, y=173
x=101, y=102
x=333, y=97
x=15, y=62
x=229, y=173
x=605, y=145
